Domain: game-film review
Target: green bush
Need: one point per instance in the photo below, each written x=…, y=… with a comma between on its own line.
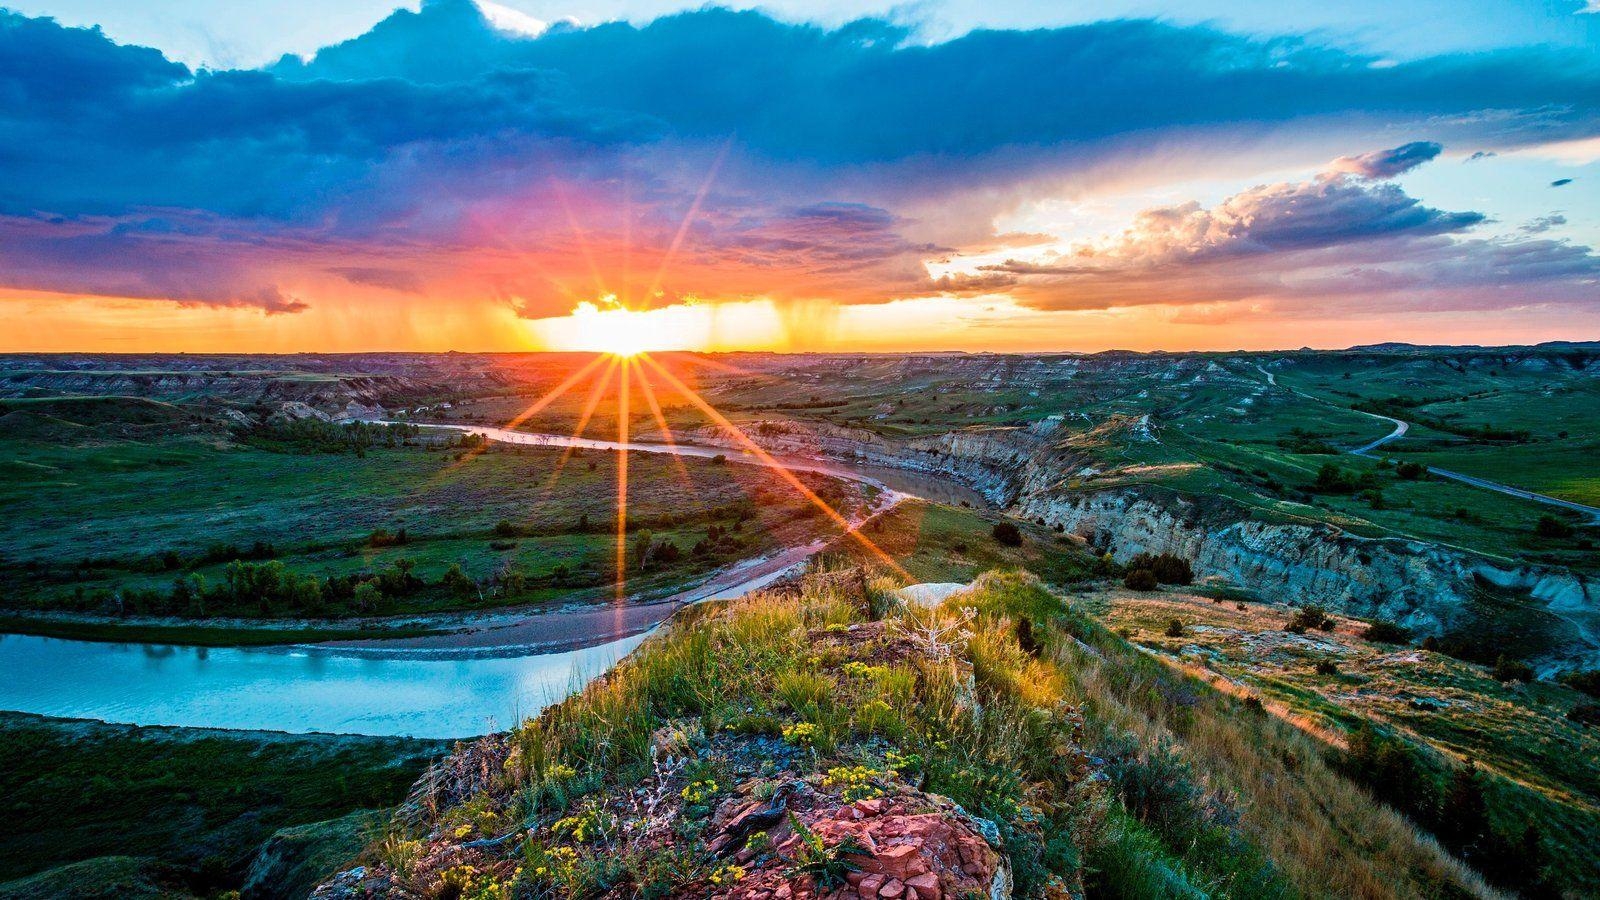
x=1585, y=680
x=1006, y=534
x=1384, y=631
x=1507, y=669
x=1586, y=714
x=1141, y=580
x=1167, y=567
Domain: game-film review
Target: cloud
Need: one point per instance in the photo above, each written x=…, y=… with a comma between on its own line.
x=1561, y=182
x=1337, y=241
x=1482, y=154
x=399, y=280
x=537, y=167
x=1387, y=163
x=1543, y=223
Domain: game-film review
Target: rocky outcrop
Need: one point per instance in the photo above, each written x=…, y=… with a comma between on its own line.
x=294, y=860
x=1428, y=588
x=913, y=847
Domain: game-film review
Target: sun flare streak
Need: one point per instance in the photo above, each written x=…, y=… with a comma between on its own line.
x=590, y=404
x=771, y=463
x=649, y=391
x=624, y=410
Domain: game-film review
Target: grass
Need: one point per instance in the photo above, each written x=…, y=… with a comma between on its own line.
x=935, y=542
x=95, y=511
x=1205, y=797
x=1541, y=766
x=201, y=801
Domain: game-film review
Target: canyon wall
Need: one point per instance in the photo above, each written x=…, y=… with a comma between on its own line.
x=1426, y=587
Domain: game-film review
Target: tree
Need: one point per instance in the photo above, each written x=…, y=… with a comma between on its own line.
x=1007, y=534
x=367, y=597
x=458, y=582
x=1508, y=669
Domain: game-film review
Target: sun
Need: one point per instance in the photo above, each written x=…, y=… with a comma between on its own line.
x=609, y=327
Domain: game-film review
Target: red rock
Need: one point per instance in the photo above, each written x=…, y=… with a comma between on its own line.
x=926, y=885
x=870, y=884
x=894, y=887
x=911, y=894
x=855, y=878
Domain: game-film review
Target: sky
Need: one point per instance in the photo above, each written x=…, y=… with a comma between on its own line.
x=194, y=175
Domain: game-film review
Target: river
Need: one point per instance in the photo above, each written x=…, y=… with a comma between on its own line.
x=452, y=686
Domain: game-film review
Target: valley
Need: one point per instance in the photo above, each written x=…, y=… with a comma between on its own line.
x=352, y=510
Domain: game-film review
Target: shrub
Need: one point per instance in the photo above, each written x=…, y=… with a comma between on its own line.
x=1141, y=580
x=1586, y=714
x=383, y=538
x=1384, y=631
x=458, y=582
x=1167, y=567
x=1552, y=527
x=1175, y=628
x=1507, y=669
x=1327, y=667
x=1411, y=471
x=1333, y=479
x=1309, y=616
x=1006, y=534
x=1585, y=680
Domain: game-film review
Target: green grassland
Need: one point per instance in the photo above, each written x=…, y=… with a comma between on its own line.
x=1559, y=414
x=1543, y=767
x=934, y=542
x=1223, y=431
x=96, y=508
x=199, y=801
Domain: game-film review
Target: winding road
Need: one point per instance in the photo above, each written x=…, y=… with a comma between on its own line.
x=1400, y=429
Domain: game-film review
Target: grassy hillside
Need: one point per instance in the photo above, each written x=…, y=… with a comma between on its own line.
x=1095, y=765
x=1538, y=765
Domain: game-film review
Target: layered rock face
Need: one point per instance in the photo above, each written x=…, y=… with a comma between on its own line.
x=1423, y=586
x=1429, y=588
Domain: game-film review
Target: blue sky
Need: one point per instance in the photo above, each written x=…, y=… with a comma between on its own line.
x=1114, y=174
